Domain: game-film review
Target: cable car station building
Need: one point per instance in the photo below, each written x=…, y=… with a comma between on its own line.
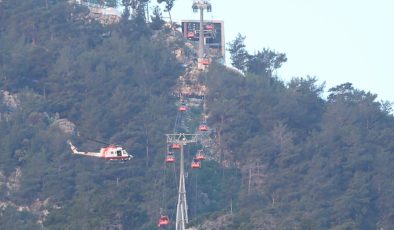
x=214, y=43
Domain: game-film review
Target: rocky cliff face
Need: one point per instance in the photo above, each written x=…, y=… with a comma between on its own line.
x=104, y=15
x=10, y=183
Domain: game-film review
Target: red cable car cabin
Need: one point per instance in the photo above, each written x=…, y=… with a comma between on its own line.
x=210, y=27
x=164, y=221
x=182, y=108
x=203, y=127
x=200, y=156
x=176, y=146
x=190, y=34
x=205, y=61
x=170, y=158
x=196, y=164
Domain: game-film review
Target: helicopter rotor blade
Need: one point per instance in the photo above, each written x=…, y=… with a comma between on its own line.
x=94, y=140
x=101, y=142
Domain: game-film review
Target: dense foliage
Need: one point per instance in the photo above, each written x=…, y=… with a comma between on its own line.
x=262, y=63
x=287, y=158
x=308, y=163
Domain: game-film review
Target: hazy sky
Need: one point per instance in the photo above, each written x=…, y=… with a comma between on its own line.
x=337, y=41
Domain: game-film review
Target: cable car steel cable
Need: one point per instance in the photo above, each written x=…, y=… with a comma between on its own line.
x=176, y=146
x=164, y=220
x=177, y=121
x=196, y=197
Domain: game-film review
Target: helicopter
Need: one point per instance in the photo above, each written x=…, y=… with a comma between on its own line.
x=111, y=152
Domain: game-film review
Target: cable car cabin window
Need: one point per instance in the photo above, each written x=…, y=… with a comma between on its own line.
x=119, y=153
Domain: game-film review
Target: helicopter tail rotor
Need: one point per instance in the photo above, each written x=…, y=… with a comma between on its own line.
x=73, y=148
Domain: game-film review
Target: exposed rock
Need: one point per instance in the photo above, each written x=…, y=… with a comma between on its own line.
x=37, y=208
x=191, y=85
x=105, y=16
x=3, y=179
x=10, y=100
x=180, y=54
x=102, y=14
x=14, y=180
x=65, y=125
x=20, y=154
x=6, y=204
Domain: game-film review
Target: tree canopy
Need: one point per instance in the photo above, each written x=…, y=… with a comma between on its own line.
x=282, y=157
x=262, y=63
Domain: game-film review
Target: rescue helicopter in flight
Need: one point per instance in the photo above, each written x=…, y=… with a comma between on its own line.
x=111, y=152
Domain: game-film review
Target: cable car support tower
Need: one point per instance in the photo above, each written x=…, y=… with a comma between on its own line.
x=201, y=5
x=181, y=209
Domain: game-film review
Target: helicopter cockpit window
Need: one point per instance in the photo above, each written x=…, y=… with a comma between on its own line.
x=119, y=153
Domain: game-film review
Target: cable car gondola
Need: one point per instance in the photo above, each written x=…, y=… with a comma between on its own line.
x=176, y=146
x=203, y=127
x=205, y=61
x=196, y=164
x=210, y=27
x=190, y=35
x=170, y=157
x=182, y=108
x=163, y=221
x=200, y=156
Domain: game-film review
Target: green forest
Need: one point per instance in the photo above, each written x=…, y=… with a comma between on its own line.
x=284, y=156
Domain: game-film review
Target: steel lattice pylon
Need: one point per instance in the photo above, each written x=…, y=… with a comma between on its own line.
x=201, y=5
x=181, y=209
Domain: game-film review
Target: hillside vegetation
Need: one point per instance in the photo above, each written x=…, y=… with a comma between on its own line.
x=286, y=158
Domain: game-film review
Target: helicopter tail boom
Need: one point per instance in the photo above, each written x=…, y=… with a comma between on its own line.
x=75, y=151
